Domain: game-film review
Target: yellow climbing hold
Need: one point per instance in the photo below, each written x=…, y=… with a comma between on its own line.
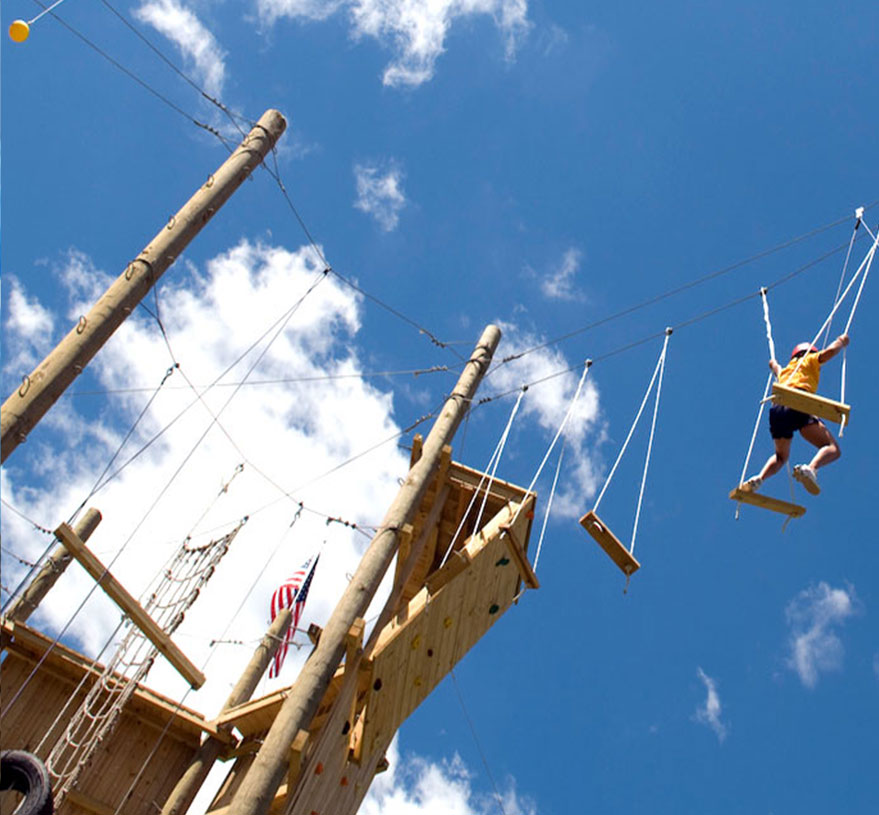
x=19, y=30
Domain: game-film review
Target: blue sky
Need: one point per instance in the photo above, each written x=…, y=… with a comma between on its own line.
x=539, y=165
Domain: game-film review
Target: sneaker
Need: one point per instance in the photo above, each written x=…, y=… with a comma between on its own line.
x=806, y=476
x=752, y=484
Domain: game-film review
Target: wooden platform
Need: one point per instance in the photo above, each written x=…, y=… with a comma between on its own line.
x=610, y=543
x=810, y=403
x=154, y=733
x=764, y=501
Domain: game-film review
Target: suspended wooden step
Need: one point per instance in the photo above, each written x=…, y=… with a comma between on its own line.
x=764, y=501
x=610, y=543
x=810, y=403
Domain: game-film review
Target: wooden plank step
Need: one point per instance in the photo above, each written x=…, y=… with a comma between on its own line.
x=610, y=543
x=810, y=403
x=775, y=504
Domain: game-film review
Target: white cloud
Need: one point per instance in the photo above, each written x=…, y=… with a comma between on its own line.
x=709, y=712
x=547, y=403
x=414, y=785
x=29, y=328
x=272, y=10
x=558, y=283
x=380, y=193
x=286, y=434
x=813, y=616
x=415, y=30
x=180, y=24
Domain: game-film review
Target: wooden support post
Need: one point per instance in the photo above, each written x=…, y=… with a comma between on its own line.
x=119, y=595
x=267, y=772
x=187, y=787
x=22, y=607
x=39, y=391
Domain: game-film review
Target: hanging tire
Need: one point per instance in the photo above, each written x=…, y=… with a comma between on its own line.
x=25, y=773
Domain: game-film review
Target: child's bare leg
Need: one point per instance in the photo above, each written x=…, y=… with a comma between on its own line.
x=777, y=460
x=828, y=447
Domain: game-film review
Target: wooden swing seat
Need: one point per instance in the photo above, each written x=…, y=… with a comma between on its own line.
x=610, y=543
x=776, y=505
x=810, y=403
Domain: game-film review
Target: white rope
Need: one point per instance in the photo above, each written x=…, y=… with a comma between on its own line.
x=869, y=261
x=754, y=434
x=631, y=432
x=586, y=366
x=858, y=215
x=871, y=255
x=838, y=303
x=44, y=12
x=501, y=445
x=492, y=465
x=548, y=507
x=650, y=440
x=766, y=320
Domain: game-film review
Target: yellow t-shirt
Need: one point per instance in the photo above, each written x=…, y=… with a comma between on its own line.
x=806, y=378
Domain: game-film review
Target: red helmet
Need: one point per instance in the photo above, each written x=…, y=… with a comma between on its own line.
x=803, y=348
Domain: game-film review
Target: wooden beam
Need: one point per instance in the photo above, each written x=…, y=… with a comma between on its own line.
x=610, y=543
x=297, y=751
x=86, y=802
x=458, y=561
x=519, y=558
x=136, y=613
x=810, y=403
x=765, y=502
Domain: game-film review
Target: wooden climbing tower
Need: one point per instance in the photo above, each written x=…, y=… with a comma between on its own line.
x=452, y=583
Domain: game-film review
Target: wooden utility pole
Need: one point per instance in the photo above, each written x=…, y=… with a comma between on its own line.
x=42, y=388
x=190, y=783
x=270, y=765
x=22, y=607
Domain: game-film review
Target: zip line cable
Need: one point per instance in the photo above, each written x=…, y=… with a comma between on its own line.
x=415, y=372
x=497, y=795
x=234, y=117
x=679, y=289
x=276, y=175
x=657, y=334
x=230, y=146
x=131, y=75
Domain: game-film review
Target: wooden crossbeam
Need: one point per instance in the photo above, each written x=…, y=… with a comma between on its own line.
x=810, y=403
x=529, y=578
x=765, y=502
x=610, y=543
x=136, y=613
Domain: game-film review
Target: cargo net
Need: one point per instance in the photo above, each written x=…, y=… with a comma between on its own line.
x=174, y=592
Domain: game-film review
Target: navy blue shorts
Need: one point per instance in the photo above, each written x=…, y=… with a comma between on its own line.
x=785, y=421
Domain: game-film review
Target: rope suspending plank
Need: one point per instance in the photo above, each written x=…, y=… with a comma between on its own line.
x=622, y=556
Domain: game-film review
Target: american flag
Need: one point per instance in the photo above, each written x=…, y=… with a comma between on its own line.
x=292, y=593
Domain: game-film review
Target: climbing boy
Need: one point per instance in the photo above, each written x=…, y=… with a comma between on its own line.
x=802, y=372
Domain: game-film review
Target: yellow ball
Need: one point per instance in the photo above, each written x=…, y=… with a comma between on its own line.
x=19, y=31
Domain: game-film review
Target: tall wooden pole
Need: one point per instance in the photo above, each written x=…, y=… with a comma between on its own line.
x=22, y=607
x=269, y=767
x=190, y=782
x=42, y=388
